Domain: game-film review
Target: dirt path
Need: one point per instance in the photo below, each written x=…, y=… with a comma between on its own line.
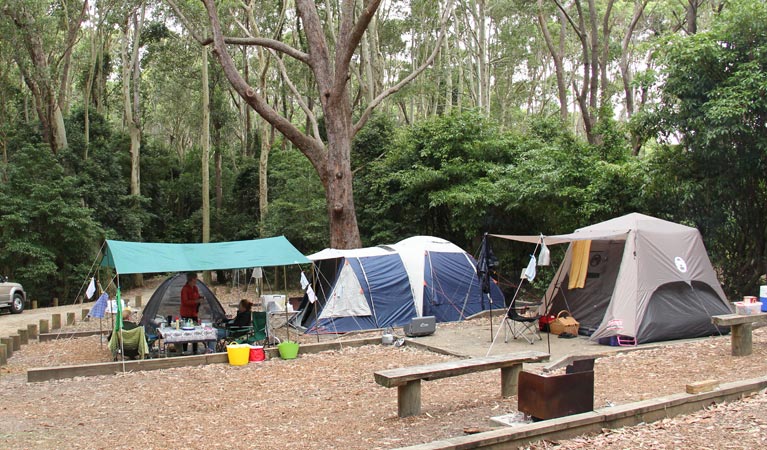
x=11, y=323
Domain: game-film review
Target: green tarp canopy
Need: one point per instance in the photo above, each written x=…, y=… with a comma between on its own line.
x=144, y=257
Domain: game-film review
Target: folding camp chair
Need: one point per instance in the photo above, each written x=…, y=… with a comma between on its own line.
x=520, y=323
x=252, y=334
x=133, y=344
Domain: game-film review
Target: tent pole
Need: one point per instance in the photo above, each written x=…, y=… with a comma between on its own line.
x=490, y=299
x=547, y=304
x=315, y=269
x=287, y=297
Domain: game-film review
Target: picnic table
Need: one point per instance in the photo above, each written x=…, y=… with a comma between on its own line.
x=741, y=326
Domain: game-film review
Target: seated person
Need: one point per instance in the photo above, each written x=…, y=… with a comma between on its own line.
x=128, y=324
x=244, y=315
x=242, y=319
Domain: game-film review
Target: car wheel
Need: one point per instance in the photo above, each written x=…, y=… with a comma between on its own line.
x=17, y=305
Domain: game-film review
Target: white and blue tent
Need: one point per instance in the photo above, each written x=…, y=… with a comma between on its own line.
x=389, y=285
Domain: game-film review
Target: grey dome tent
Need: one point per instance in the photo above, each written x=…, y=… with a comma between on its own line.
x=641, y=277
x=166, y=301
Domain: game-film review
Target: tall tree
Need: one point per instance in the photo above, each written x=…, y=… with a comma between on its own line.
x=131, y=76
x=205, y=158
x=329, y=61
x=714, y=116
x=45, y=63
x=557, y=51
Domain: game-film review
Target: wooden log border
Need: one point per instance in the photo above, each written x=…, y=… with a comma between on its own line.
x=40, y=374
x=592, y=422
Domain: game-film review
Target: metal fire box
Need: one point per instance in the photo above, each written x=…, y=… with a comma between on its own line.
x=547, y=397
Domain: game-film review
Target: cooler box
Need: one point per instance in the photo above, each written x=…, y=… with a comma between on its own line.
x=763, y=297
x=420, y=326
x=273, y=302
x=748, y=308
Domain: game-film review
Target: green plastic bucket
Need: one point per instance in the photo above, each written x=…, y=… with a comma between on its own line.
x=288, y=349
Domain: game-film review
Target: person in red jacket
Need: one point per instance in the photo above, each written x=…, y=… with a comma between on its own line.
x=190, y=302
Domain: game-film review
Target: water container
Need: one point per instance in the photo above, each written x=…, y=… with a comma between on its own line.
x=387, y=338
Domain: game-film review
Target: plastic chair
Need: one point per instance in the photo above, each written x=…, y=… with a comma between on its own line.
x=520, y=325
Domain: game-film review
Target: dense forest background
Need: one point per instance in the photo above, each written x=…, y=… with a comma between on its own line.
x=524, y=117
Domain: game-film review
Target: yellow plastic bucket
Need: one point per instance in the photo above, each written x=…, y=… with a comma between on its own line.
x=238, y=354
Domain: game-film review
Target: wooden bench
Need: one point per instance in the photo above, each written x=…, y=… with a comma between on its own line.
x=408, y=379
x=740, y=334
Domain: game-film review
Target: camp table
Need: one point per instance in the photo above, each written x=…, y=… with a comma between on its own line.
x=192, y=335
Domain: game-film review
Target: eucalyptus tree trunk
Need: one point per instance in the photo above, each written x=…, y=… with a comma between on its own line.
x=205, y=157
x=447, y=57
x=88, y=90
x=557, y=56
x=330, y=66
x=625, y=60
x=483, y=83
x=40, y=78
x=3, y=127
x=691, y=16
x=132, y=113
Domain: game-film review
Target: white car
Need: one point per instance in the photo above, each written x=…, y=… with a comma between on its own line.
x=12, y=296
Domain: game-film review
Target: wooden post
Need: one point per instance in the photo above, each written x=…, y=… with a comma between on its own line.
x=16, y=340
x=741, y=339
x=32, y=330
x=70, y=318
x=3, y=355
x=409, y=399
x=34, y=304
x=8, y=344
x=55, y=321
x=138, y=301
x=55, y=301
x=44, y=328
x=84, y=313
x=510, y=380
x=23, y=336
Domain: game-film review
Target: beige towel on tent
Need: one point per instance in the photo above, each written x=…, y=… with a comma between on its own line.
x=579, y=264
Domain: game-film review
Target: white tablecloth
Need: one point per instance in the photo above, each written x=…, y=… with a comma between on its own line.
x=172, y=335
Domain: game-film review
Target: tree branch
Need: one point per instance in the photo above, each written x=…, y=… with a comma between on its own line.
x=569, y=19
x=393, y=89
x=72, y=38
x=351, y=40
x=319, y=55
x=254, y=41
x=313, y=149
x=299, y=99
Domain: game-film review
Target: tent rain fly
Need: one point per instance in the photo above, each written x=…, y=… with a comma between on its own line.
x=143, y=257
